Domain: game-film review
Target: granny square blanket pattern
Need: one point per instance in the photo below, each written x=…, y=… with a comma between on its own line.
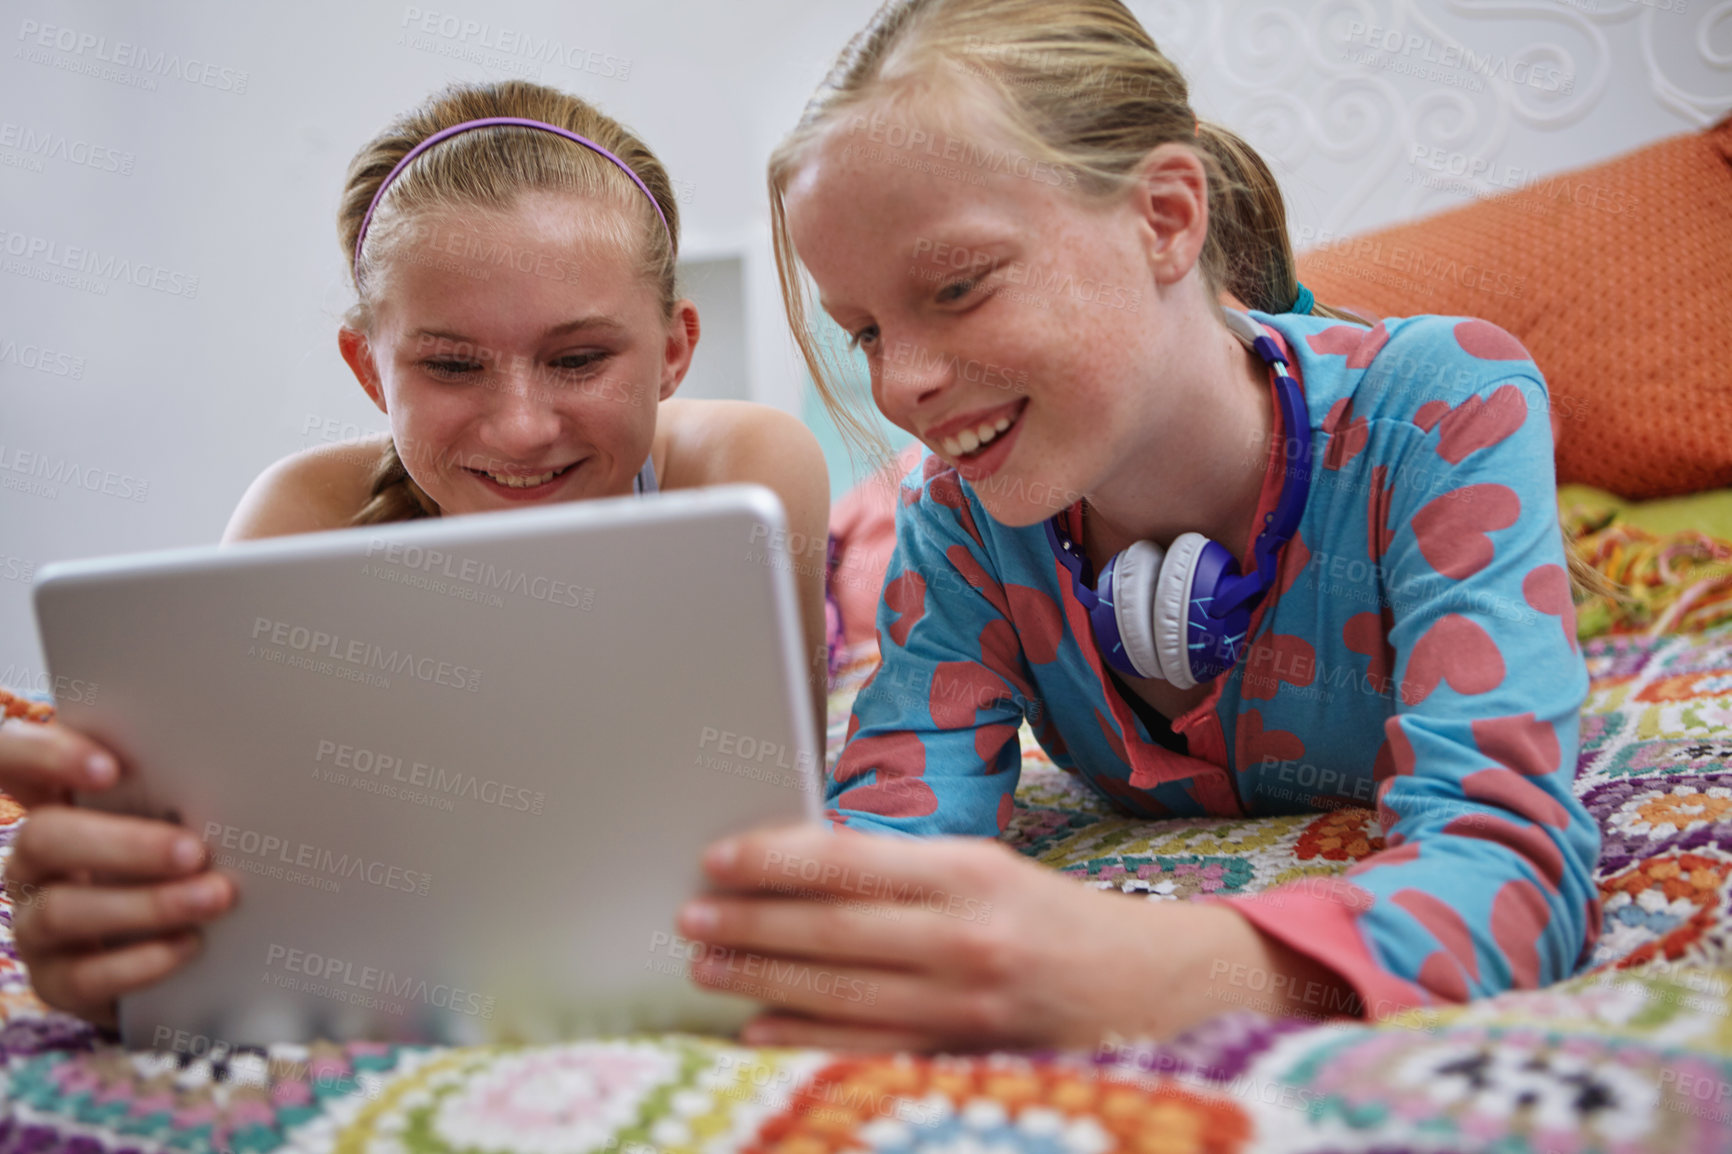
x=1634, y=1055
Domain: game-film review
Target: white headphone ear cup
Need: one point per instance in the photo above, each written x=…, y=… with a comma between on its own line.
x=1134, y=576
x=1172, y=608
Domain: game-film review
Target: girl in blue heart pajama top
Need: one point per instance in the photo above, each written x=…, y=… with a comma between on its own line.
x=1417, y=653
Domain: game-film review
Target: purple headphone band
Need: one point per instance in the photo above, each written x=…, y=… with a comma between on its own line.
x=486, y=122
x=1221, y=598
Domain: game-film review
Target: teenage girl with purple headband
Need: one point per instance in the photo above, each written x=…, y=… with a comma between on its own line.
x=513, y=253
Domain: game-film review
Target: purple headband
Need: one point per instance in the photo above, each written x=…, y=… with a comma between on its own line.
x=469, y=125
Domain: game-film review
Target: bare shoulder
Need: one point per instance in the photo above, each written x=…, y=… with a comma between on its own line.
x=306, y=492
x=718, y=442
x=733, y=442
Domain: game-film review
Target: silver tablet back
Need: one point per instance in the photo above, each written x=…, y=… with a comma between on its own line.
x=462, y=769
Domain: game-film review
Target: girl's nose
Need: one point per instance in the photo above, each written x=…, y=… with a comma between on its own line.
x=909, y=375
x=522, y=417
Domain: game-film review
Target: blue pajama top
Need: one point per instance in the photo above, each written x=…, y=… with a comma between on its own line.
x=1418, y=653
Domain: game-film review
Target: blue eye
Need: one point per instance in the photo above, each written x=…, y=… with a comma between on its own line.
x=577, y=362
x=451, y=367
x=956, y=290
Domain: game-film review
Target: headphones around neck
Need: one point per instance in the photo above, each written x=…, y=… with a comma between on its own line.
x=1180, y=614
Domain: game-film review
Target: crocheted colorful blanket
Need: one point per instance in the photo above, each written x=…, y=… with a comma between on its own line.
x=1670, y=582
x=1635, y=1055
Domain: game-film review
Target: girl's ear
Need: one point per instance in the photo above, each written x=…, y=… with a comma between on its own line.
x=682, y=341
x=356, y=350
x=1171, y=198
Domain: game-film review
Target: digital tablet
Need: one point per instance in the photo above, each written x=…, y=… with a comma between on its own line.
x=461, y=769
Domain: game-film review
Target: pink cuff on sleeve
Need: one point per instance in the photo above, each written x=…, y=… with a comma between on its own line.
x=1323, y=927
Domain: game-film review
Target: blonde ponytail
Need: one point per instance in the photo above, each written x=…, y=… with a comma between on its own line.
x=393, y=494
x=1248, y=245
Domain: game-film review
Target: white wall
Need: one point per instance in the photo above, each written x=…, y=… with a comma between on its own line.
x=162, y=403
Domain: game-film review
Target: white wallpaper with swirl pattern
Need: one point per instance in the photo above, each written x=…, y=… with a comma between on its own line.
x=1375, y=111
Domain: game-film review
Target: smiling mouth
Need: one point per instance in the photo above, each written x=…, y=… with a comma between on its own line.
x=974, y=441
x=529, y=481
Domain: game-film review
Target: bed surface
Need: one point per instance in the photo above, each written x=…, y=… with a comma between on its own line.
x=1634, y=1055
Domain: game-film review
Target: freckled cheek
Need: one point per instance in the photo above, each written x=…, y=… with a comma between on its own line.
x=614, y=424
x=1076, y=419
x=435, y=429
x=1092, y=326
x=421, y=418
x=613, y=431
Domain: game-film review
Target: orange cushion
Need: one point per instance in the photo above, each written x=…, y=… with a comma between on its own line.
x=1617, y=278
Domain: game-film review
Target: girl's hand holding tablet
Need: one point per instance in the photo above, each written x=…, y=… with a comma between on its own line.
x=875, y=943
x=102, y=904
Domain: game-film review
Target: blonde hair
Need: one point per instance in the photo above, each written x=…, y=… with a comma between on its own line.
x=488, y=168
x=1081, y=87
